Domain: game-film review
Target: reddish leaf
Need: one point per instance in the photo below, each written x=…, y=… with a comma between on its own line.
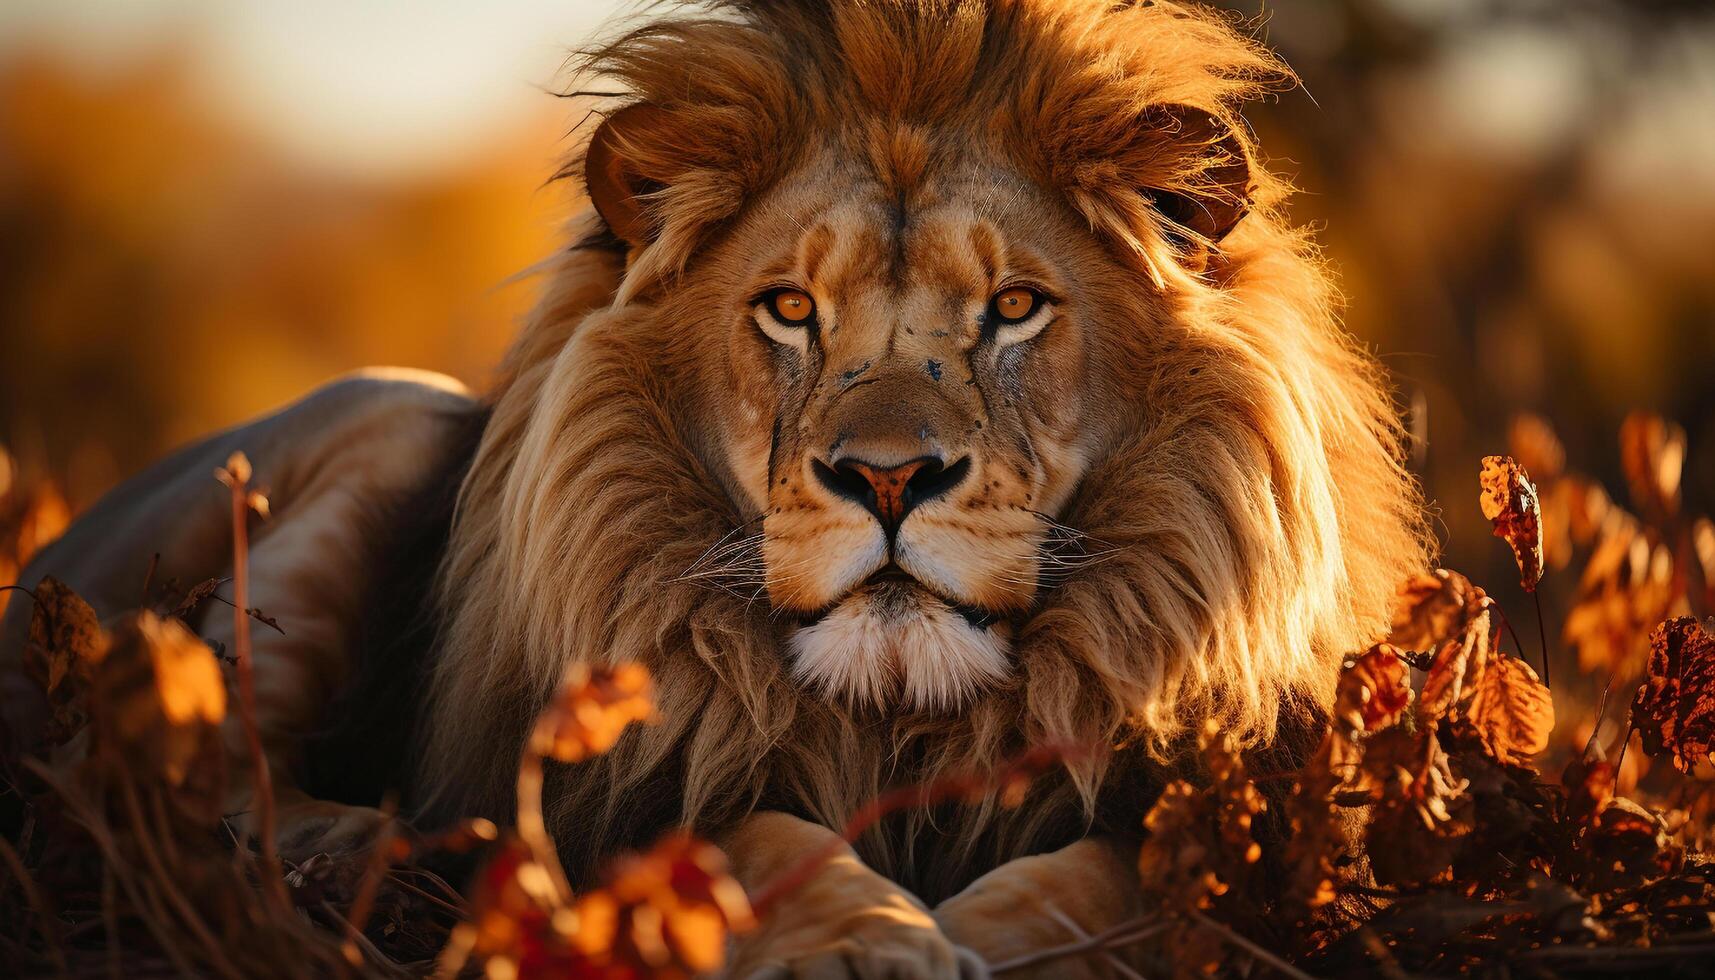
x=1374, y=690
x=1509, y=502
x=1674, y=710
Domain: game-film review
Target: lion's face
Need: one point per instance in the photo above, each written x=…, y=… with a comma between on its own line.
x=963, y=348
x=911, y=405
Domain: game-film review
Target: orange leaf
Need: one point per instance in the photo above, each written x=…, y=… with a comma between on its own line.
x=159, y=695
x=1457, y=670
x=591, y=710
x=1509, y=502
x=1511, y=711
x=1434, y=608
x=1652, y=450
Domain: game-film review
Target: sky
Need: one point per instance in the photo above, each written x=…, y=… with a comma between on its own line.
x=355, y=85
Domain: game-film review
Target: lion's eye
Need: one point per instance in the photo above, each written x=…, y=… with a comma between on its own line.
x=792, y=306
x=1015, y=304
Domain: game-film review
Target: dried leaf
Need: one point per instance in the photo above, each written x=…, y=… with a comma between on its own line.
x=1374, y=691
x=1457, y=670
x=1511, y=711
x=66, y=642
x=591, y=710
x=1674, y=710
x=158, y=695
x=1652, y=450
x=1423, y=814
x=1173, y=862
x=1510, y=503
x=1433, y=608
x=1624, y=846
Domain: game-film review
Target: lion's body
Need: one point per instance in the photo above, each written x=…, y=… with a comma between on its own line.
x=1224, y=458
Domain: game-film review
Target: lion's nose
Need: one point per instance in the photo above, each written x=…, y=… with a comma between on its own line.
x=891, y=492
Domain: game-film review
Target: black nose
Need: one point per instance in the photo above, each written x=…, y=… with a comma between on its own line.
x=891, y=492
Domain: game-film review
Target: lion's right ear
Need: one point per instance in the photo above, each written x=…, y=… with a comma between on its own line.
x=1208, y=189
x=616, y=172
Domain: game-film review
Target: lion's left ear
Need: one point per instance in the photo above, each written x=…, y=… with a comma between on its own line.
x=616, y=170
x=1206, y=184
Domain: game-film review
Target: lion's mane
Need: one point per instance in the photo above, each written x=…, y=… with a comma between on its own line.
x=1253, y=528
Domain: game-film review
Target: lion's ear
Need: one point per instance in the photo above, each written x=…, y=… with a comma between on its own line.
x=615, y=170
x=1210, y=189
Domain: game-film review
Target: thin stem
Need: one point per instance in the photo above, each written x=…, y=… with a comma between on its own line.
x=237, y=477
x=1625, y=743
x=531, y=827
x=1541, y=635
x=1509, y=625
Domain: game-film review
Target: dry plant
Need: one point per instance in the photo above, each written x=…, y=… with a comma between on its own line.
x=1420, y=838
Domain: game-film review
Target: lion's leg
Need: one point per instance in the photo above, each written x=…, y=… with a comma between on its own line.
x=1037, y=903
x=846, y=921
x=335, y=466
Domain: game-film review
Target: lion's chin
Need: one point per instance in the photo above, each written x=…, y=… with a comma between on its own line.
x=890, y=644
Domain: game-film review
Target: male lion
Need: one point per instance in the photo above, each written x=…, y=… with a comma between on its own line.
x=933, y=379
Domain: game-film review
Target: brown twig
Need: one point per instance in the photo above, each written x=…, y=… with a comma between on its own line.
x=236, y=476
x=399, y=882
x=531, y=827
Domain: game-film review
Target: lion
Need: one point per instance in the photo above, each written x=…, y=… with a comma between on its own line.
x=929, y=380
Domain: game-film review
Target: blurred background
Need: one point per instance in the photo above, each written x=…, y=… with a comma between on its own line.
x=207, y=207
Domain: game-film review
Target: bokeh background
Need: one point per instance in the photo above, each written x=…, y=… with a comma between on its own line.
x=207, y=207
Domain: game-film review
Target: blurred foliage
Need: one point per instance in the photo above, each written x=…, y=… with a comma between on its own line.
x=162, y=275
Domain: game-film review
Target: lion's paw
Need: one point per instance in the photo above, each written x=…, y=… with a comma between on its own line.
x=325, y=846
x=884, y=944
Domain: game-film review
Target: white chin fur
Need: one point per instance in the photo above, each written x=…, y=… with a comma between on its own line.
x=895, y=646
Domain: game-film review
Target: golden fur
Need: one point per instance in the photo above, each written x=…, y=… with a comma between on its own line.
x=1228, y=458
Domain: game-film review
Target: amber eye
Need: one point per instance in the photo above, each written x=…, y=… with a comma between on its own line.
x=1016, y=303
x=792, y=306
